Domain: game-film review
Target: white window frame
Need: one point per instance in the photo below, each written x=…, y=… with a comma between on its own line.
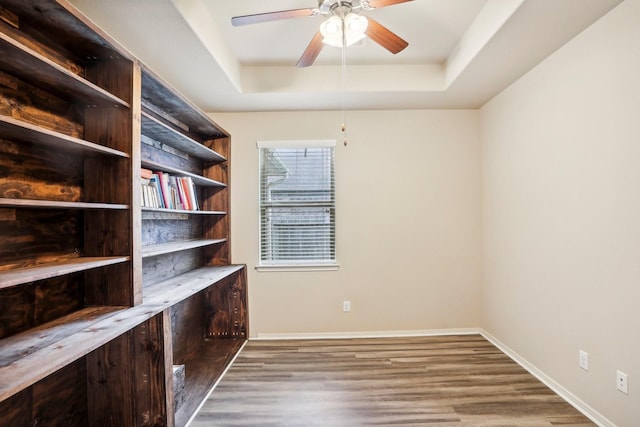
x=294, y=265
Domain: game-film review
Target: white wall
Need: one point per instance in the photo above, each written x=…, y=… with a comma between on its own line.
x=561, y=213
x=408, y=233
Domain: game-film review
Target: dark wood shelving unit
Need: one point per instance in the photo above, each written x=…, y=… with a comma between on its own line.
x=196, y=243
x=100, y=298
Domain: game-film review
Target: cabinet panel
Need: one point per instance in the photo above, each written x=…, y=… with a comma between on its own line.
x=16, y=410
x=59, y=399
x=126, y=378
x=226, y=308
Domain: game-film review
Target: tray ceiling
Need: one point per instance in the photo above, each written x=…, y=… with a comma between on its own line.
x=461, y=52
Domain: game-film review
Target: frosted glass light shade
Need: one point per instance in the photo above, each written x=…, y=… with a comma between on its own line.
x=355, y=27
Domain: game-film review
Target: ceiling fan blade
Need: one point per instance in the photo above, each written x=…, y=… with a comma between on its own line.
x=385, y=37
x=384, y=3
x=271, y=16
x=312, y=51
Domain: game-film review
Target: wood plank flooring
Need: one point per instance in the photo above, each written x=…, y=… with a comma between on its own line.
x=423, y=381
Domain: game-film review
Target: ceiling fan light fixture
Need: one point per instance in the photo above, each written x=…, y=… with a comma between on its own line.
x=356, y=24
x=331, y=30
x=355, y=27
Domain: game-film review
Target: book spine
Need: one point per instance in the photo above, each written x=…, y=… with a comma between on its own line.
x=164, y=186
x=173, y=188
x=191, y=192
x=183, y=195
x=157, y=193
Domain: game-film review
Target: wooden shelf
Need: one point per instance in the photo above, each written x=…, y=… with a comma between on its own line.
x=202, y=371
x=159, y=131
x=60, y=342
x=28, y=65
x=182, y=211
x=197, y=179
x=167, y=248
x=11, y=128
x=52, y=204
x=176, y=289
x=18, y=276
x=157, y=93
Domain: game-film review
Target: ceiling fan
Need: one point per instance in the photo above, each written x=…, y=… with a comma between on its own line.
x=343, y=26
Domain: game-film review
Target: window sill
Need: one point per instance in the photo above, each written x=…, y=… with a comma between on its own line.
x=298, y=267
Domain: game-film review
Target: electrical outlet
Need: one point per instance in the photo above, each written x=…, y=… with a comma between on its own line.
x=622, y=382
x=346, y=306
x=583, y=360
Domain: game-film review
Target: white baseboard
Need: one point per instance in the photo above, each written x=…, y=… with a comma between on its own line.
x=571, y=398
x=367, y=334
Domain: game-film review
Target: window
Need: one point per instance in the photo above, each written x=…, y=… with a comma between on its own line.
x=297, y=203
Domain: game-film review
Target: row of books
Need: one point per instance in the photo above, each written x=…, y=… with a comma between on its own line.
x=162, y=190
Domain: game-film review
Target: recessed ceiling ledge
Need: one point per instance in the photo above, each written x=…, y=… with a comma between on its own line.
x=484, y=27
x=196, y=15
x=358, y=78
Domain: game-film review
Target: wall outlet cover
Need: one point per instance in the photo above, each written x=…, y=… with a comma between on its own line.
x=622, y=382
x=583, y=360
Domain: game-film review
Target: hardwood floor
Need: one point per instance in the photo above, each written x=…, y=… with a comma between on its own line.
x=423, y=381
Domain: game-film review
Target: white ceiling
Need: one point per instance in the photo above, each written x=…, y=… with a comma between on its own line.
x=461, y=52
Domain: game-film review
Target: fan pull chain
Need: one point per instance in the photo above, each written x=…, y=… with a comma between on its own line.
x=344, y=83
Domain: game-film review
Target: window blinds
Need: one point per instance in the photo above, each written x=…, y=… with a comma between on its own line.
x=297, y=202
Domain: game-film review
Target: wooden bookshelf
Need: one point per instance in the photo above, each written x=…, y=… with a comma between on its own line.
x=99, y=296
x=195, y=243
